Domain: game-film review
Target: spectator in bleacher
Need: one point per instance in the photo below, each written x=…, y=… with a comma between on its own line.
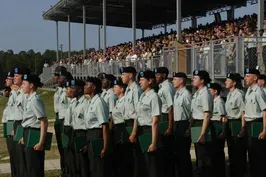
x=152, y=46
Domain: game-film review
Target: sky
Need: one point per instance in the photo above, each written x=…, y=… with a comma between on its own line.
x=23, y=28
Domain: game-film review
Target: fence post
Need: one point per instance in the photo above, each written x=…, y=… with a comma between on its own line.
x=237, y=54
x=176, y=62
x=240, y=53
x=193, y=59
x=152, y=64
x=212, y=60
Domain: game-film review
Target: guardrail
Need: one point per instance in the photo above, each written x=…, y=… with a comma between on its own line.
x=218, y=57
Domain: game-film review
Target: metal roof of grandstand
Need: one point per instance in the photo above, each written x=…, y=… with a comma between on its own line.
x=149, y=13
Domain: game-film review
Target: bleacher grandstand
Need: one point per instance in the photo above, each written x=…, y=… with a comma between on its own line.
x=219, y=47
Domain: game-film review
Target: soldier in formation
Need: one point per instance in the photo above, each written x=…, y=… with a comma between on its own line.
x=110, y=126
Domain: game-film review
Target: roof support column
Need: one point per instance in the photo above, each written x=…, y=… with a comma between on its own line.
x=143, y=33
x=104, y=26
x=99, y=37
x=260, y=14
x=84, y=30
x=194, y=23
x=57, y=42
x=231, y=13
x=178, y=20
x=69, y=36
x=134, y=25
x=165, y=28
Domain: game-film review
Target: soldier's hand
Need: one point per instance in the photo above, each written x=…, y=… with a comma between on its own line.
x=103, y=152
x=38, y=147
x=187, y=133
x=262, y=135
x=84, y=149
x=132, y=138
x=201, y=139
x=224, y=120
x=21, y=141
x=12, y=133
x=168, y=132
x=152, y=148
x=241, y=133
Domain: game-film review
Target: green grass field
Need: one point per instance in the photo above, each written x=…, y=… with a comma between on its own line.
x=52, y=173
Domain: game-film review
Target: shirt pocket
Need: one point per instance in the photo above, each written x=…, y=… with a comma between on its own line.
x=80, y=115
x=10, y=103
x=160, y=94
x=144, y=107
x=92, y=117
x=256, y=106
x=215, y=110
x=233, y=107
x=198, y=103
x=129, y=98
x=19, y=102
x=62, y=101
x=253, y=106
x=179, y=101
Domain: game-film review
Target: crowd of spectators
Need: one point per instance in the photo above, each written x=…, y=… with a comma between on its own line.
x=153, y=45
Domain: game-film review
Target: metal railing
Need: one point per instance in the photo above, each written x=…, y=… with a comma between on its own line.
x=218, y=57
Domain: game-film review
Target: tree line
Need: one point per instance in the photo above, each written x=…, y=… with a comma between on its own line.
x=31, y=59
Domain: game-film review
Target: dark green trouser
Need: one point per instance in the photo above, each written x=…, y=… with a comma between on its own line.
x=11, y=146
x=181, y=148
x=34, y=159
x=21, y=170
x=82, y=161
x=204, y=155
x=167, y=151
x=237, y=151
x=58, y=135
x=69, y=153
x=149, y=160
x=98, y=165
x=256, y=152
x=219, y=156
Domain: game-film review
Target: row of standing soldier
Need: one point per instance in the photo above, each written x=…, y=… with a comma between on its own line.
x=124, y=116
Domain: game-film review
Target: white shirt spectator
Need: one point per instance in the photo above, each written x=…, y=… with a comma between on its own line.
x=46, y=65
x=134, y=57
x=72, y=66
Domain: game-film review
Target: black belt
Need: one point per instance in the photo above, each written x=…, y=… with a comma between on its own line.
x=28, y=128
x=197, y=123
x=234, y=120
x=255, y=120
x=129, y=123
x=145, y=129
x=119, y=125
x=181, y=121
x=79, y=131
x=94, y=129
x=94, y=133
